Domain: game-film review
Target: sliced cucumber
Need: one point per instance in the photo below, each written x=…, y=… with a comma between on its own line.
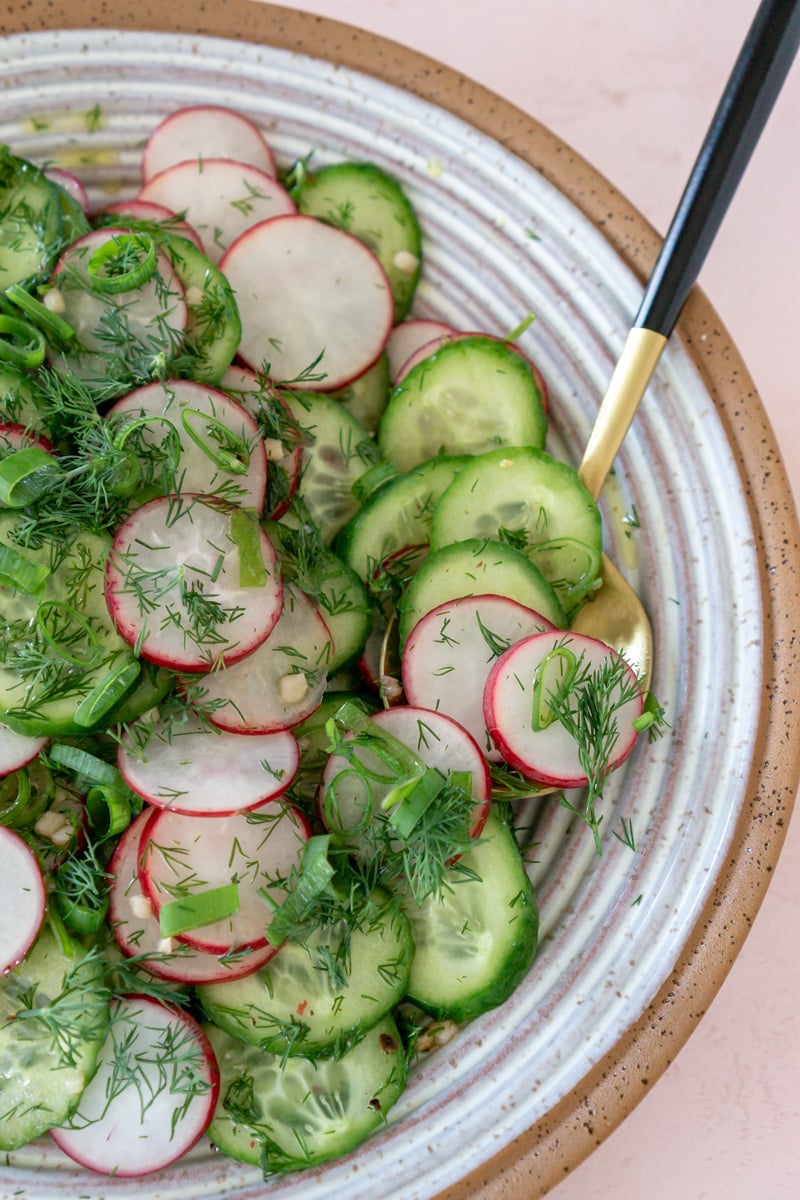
x=537, y=504
x=46, y=1062
x=366, y=397
x=476, y=944
x=32, y=232
x=471, y=396
x=397, y=516
x=306, y=1001
x=213, y=327
x=293, y=1113
x=363, y=200
x=17, y=403
x=338, y=450
x=474, y=568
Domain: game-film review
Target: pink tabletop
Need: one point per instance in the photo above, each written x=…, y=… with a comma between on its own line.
x=631, y=85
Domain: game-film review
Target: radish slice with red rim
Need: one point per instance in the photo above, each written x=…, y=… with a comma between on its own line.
x=221, y=451
x=578, y=674
x=152, y=1095
x=70, y=184
x=23, y=899
x=144, y=210
x=14, y=436
x=137, y=932
x=17, y=749
x=407, y=337
x=283, y=437
x=206, y=131
x=283, y=681
x=201, y=771
x=183, y=857
x=220, y=198
x=315, y=303
x=449, y=653
x=192, y=583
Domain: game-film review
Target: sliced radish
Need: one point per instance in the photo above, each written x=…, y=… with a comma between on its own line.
x=17, y=749
x=145, y=210
x=70, y=184
x=155, y=304
x=314, y=301
x=177, y=583
x=206, y=131
x=520, y=720
x=207, y=421
x=283, y=681
x=283, y=439
x=407, y=337
x=204, y=771
x=183, y=856
x=152, y=1095
x=23, y=899
x=450, y=651
x=16, y=437
x=220, y=198
x=137, y=932
x=436, y=739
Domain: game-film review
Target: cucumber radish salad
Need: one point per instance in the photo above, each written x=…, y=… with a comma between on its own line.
x=287, y=578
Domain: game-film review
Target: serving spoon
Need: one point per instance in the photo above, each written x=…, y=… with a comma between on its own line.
x=615, y=614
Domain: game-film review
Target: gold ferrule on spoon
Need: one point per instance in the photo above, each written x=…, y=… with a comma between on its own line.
x=632, y=374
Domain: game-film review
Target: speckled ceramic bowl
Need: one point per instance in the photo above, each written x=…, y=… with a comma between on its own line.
x=635, y=944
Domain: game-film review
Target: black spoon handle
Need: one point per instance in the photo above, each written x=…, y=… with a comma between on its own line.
x=757, y=77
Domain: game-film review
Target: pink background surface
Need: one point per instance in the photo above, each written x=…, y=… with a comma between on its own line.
x=631, y=85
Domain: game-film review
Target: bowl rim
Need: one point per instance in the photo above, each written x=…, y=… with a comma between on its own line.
x=537, y=1160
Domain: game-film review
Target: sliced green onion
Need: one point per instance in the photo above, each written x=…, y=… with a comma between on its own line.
x=353, y=719
x=21, y=343
x=123, y=673
x=524, y=324
x=92, y=768
x=40, y=315
x=413, y=805
x=315, y=875
x=108, y=267
x=246, y=536
x=226, y=449
x=26, y=475
x=81, y=916
x=552, y=681
x=64, y=629
x=19, y=573
x=108, y=809
x=198, y=909
x=15, y=794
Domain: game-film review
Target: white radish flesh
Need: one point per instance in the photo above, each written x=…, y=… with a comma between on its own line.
x=221, y=199
x=17, y=437
x=518, y=713
x=152, y=1096
x=282, y=682
x=210, y=416
x=284, y=453
x=203, y=771
x=145, y=210
x=174, y=585
x=22, y=899
x=206, y=131
x=137, y=932
x=184, y=856
x=17, y=749
x=450, y=651
x=315, y=304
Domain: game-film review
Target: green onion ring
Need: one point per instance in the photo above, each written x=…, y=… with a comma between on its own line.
x=108, y=809
x=23, y=345
x=40, y=315
x=20, y=573
x=111, y=285
x=25, y=475
x=231, y=453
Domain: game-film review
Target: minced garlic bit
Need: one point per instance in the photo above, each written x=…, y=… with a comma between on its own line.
x=274, y=448
x=194, y=295
x=63, y=835
x=141, y=907
x=437, y=1035
x=54, y=301
x=293, y=688
x=391, y=688
x=50, y=823
x=406, y=262
x=165, y=946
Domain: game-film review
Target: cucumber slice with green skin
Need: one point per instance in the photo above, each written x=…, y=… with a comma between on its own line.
x=297, y=1005
x=477, y=567
x=153, y=684
x=285, y=1115
x=42, y=1073
x=33, y=229
x=73, y=214
x=17, y=403
x=338, y=450
x=475, y=944
x=366, y=397
x=471, y=396
x=213, y=328
x=397, y=516
x=363, y=200
x=527, y=498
